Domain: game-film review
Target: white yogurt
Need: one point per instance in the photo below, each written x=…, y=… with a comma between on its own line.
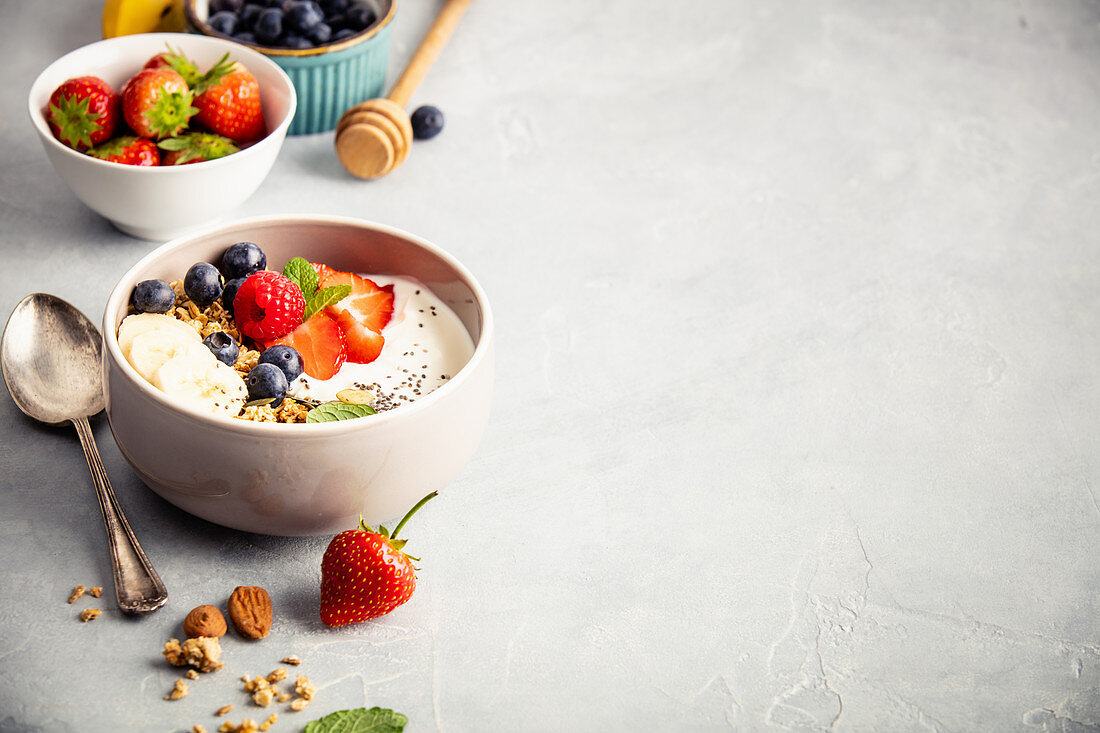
x=426, y=344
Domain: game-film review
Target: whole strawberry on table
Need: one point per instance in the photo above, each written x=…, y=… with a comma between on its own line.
x=168, y=113
x=365, y=573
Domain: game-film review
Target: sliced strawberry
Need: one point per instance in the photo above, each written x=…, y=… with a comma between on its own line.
x=372, y=304
x=321, y=342
x=323, y=271
x=364, y=345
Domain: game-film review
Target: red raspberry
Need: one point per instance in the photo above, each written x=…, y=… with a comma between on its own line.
x=267, y=306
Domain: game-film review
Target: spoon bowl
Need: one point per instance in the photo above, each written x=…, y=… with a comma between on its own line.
x=51, y=359
x=51, y=356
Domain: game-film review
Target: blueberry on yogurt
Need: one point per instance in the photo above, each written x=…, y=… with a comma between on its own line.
x=223, y=346
x=153, y=296
x=242, y=259
x=286, y=358
x=230, y=292
x=202, y=283
x=266, y=382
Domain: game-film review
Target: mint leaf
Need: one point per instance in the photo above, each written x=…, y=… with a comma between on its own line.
x=359, y=720
x=303, y=275
x=333, y=411
x=324, y=298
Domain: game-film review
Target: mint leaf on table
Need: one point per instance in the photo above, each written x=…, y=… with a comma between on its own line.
x=303, y=275
x=360, y=720
x=333, y=411
x=324, y=298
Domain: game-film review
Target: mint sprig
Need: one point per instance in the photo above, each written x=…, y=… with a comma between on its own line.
x=334, y=411
x=324, y=298
x=302, y=274
x=359, y=720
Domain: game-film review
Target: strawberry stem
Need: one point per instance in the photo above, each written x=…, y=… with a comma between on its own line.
x=411, y=512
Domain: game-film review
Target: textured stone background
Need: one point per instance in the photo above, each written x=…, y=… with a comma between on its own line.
x=796, y=413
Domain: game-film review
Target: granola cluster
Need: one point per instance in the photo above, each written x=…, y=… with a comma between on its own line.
x=215, y=317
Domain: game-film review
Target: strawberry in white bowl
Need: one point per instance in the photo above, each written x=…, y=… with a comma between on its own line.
x=213, y=173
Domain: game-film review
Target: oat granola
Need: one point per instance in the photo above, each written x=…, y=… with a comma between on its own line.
x=89, y=613
x=202, y=653
x=178, y=691
x=77, y=593
x=215, y=317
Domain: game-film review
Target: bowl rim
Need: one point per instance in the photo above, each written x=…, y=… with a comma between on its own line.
x=273, y=137
x=119, y=295
x=205, y=29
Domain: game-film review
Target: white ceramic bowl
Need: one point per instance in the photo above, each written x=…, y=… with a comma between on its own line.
x=163, y=202
x=303, y=479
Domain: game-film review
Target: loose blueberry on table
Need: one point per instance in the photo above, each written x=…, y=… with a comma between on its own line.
x=427, y=122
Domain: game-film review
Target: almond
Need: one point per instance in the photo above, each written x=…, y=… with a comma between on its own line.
x=204, y=621
x=250, y=611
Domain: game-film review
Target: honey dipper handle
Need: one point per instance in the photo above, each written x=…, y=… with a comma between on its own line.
x=434, y=41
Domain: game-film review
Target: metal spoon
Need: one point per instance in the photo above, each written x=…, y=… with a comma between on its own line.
x=50, y=354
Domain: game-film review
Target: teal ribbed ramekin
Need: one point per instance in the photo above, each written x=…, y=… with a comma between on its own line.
x=327, y=79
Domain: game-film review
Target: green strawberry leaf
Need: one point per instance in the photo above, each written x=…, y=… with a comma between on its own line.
x=303, y=275
x=324, y=298
x=333, y=411
x=359, y=720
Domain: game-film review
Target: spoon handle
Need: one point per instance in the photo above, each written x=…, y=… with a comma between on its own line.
x=137, y=585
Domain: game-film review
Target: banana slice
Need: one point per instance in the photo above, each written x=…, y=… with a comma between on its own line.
x=133, y=326
x=124, y=17
x=150, y=350
x=206, y=385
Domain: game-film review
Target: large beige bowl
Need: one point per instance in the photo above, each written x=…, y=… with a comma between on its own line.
x=165, y=201
x=305, y=478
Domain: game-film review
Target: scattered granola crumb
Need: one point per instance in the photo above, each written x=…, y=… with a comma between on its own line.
x=77, y=592
x=202, y=652
x=299, y=704
x=304, y=687
x=178, y=691
x=191, y=674
x=284, y=696
x=263, y=697
x=89, y=613
x=277, y=675
x=198, y=728
x=245, y=726
x=271, y=720
x=95, y=591
x=255, y=684
x=292, y=660
x=223, y=710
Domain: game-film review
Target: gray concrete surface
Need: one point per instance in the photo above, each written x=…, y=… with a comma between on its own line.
x=796, y=412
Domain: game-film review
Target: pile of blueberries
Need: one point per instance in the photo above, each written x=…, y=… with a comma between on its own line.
x=290, y=23
x=279, y=365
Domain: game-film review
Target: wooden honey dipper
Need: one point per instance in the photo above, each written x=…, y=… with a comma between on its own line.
x=373, y=137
